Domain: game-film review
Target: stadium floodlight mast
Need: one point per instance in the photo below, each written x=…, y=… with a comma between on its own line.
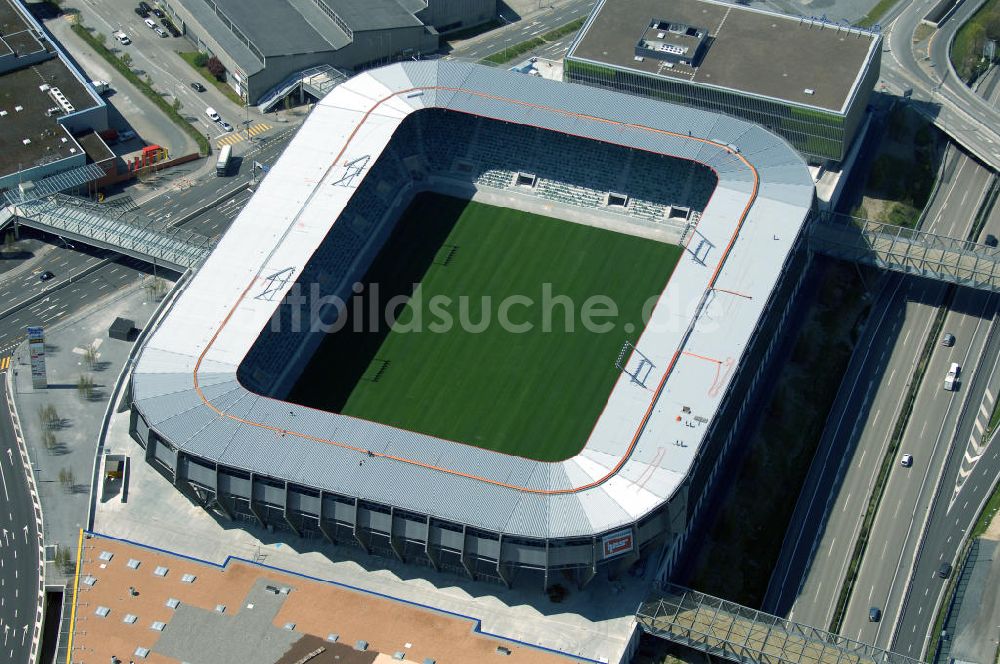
x=633, y=362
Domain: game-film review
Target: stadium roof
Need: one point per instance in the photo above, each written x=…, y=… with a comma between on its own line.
x=750, y=50
x=645, y=441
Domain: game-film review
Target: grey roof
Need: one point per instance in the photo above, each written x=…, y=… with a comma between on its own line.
x=750, y=50
x=762, y=200
x=373, y=14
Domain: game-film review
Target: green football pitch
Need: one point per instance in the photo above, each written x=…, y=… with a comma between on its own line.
x=534, y=390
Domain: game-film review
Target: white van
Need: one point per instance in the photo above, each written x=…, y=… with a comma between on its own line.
x=212, y=114
x=951, y=380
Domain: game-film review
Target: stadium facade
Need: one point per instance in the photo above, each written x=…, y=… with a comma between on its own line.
x=805, y=79
x=207, y=388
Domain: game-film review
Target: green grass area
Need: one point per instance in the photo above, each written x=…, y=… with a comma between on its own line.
x=534, y=393
x=190, y=57
x=87, y=35
x=967, y=49
x=515, y=50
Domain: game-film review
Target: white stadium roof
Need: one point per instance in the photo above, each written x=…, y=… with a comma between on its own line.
x=644, y=443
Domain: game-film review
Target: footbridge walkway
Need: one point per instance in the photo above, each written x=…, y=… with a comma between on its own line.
x=741, y=634
x=120, y=230
x=906, y=250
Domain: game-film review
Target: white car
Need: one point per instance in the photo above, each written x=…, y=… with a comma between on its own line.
x=121, y=37
x=906, y=461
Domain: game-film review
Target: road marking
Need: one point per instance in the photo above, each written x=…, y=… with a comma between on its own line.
x=4, y=363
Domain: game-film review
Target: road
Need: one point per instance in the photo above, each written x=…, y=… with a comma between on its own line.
x=18, y=547
x=523, y=30
x=967, y=117
x=824, y=528
x=967, y=478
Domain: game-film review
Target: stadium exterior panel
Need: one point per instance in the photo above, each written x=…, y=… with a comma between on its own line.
x=207, y=389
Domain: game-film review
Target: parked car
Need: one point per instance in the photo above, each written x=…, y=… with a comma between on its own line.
x=197, y=87
x=145, y=7
x=160, y=31
x=991, y=240
x=172, y=29
x=45, y=276
x=121, y=37
x=874, y=614
x=150, y=23
x=126, y=135
x=948, y=339
x=141, y=12
x=158, y=13
x=906, y=461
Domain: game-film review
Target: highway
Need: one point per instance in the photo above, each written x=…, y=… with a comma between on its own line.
x=18, y=547
x=828, y=517
x=940, y=94
x=521, y=31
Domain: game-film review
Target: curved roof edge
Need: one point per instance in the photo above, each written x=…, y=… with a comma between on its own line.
x=645, y=442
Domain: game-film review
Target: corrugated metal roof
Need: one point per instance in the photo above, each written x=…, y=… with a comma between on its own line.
x=295, y=208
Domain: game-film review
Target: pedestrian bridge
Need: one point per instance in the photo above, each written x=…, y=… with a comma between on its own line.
x=906, y=250
x=106, y=227
x=741, y=634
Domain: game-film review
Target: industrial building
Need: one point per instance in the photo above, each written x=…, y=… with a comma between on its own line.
x=49, y=112
x=805, y=79
x=265, y=45
x=207, y=389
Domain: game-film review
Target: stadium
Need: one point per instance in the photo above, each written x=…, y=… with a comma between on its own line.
x=497, y=457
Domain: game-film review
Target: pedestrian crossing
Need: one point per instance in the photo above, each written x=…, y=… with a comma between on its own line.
x=4, y=363
x=241, y=134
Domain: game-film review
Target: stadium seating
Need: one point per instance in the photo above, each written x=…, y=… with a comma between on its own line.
x=568, y=170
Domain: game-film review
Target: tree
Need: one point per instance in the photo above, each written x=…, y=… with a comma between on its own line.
x=101, y=37
x=48, y=440
x=90, y=355
x=126, y=60
x=85, y=387
x=215, y=68
x=177, y=104
x=64, y=561
x=49, y=417
x=155, y=287
x=67, y=479
x=200, y=60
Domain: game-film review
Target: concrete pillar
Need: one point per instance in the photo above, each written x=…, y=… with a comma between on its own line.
x=397, y=546
x=284, y=513
x=361, y=536
x=253, y=510
x=432, y=554
x=463, y=554
x=504, y=575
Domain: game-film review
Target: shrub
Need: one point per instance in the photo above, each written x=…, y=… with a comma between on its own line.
x=200, y=60
x=215, y=68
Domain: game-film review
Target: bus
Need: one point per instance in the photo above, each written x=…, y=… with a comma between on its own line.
x=222, y=165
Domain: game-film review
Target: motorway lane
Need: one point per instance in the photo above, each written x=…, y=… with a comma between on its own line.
x=968, y=117
x=18, y=548
x=957, y=504
x=821, y=536
x=884, y=571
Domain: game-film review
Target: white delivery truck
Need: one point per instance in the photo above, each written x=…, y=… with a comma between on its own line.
x=951, y=380
x=222, y=165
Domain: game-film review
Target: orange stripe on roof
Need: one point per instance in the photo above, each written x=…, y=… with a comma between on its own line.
x=451, y=471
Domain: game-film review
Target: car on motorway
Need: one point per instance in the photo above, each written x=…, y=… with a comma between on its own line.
x=197, y=87
x=948, y=340
x=45, y=276
x=944, y=570
x=991, y=241
x=906, y=461
x=121, y=37
x=874, y=614
x=951, y=380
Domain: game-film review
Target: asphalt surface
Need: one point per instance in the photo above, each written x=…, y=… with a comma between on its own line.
x=516, y=32
x=828, y=517
x=18, y=547
x=937, y=91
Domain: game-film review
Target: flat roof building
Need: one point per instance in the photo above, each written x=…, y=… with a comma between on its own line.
x=262, y=43
x=44, y=103
x=805, y=79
